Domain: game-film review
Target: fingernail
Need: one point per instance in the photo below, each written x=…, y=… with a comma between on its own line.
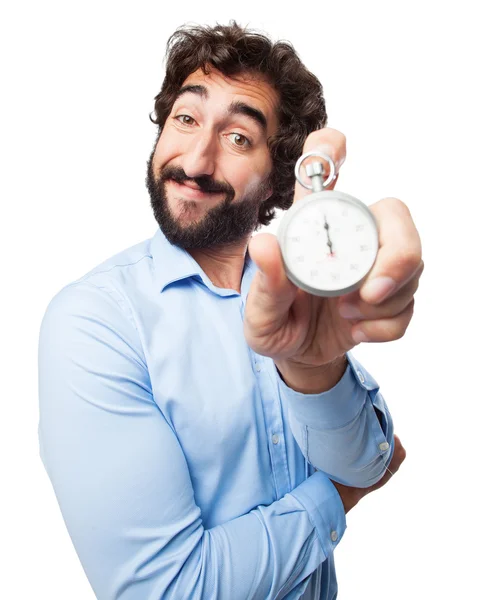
x=378, y=289
x=360, y=336
x=349, y=311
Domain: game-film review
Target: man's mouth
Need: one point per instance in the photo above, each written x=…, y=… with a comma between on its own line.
x=191, y=185
x=191, y=190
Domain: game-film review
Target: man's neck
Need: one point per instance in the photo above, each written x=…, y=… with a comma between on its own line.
x=224, y=266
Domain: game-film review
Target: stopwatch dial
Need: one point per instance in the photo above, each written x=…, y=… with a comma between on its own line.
x=330, y=244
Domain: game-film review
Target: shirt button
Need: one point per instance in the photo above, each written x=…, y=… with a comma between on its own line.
x=334, y=536
x=384, y=446
x=275, y=439
x=361, y=376
x=257, y=366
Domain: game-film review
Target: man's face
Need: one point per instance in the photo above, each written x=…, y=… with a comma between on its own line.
x=210, y=170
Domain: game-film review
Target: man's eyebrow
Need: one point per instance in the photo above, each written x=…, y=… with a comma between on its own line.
x=240, y=108
x=236, y=108
x=200, y=90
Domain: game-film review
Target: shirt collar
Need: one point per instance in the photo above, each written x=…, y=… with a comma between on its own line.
x=173, y=264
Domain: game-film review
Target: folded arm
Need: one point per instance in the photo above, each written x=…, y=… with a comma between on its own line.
x=346, y=431
x=123, y=485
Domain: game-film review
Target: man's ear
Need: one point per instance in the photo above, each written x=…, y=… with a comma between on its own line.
x=268, y=193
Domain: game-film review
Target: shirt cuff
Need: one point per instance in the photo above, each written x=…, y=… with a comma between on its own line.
x=335, y=407
x=325, y=508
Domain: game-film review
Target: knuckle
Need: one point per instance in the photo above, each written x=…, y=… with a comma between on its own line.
x=336, y=140
x=395, y=329
x=338, y=137
x=313, y=138
x=416, y=283
x=414, y=286
x=397, y=332
x=405, y=316
x=408, y=259
x=421, y=267
x=398, y=205
x=402, y=323
x=408, y=314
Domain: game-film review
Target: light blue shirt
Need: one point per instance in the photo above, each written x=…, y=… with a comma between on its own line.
x=183, y=465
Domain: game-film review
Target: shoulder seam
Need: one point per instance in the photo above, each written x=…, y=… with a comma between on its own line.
x=86, y=277
x=120, y=301
x=111, y=292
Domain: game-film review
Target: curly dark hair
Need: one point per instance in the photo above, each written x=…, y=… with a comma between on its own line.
x=234, y=50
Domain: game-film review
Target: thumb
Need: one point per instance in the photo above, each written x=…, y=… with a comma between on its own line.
x=271, y=293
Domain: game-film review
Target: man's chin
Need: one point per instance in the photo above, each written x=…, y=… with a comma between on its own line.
x=186, y=215
x=184, y=224
x=192, y=224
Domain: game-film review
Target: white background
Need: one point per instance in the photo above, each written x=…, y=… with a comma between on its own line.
x=400, y=81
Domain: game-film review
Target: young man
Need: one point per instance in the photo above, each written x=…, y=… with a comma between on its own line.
x=202, y=420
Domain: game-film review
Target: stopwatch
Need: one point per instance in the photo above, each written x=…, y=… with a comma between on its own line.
x=329, y=240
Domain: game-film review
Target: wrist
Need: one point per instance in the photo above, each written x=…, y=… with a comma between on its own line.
x=311, y=379
x=350, y=496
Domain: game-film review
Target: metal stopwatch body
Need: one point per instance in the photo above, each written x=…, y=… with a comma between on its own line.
x=329, y=240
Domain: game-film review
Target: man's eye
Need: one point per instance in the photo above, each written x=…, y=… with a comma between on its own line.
x=239, y=140
x=185, y=119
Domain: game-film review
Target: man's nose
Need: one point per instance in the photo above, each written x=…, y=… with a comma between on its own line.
x=200, y=158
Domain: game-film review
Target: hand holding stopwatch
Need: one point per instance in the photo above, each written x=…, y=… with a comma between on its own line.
x=329, y=240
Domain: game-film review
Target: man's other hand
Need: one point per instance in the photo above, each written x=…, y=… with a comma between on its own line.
x=351, y=495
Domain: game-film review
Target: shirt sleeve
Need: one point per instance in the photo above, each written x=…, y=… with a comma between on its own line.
x=347, y=431
x=122, y=481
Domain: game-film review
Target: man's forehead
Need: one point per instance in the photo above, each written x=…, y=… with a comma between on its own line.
x=252, y=87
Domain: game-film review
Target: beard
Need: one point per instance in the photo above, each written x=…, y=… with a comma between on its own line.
x=225, y=224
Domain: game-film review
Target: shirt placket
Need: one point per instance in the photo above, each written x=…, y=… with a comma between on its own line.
x=274, y=424
x=273, y=419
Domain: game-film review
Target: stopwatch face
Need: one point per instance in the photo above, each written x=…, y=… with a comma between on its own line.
x=329, y=242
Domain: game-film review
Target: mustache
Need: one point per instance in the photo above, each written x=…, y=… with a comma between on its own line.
x=206, y=183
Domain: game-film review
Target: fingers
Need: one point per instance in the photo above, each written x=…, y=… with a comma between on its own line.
x=384, y=315
x=354, y=308
x=399, y=254
x=329, y=141
x=383, y=330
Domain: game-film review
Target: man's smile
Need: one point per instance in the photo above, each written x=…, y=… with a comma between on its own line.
x=191, y=190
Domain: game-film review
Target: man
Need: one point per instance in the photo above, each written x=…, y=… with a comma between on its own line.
x=202, y=420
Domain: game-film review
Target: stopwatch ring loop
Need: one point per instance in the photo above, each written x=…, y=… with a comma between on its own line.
x=301, y=159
